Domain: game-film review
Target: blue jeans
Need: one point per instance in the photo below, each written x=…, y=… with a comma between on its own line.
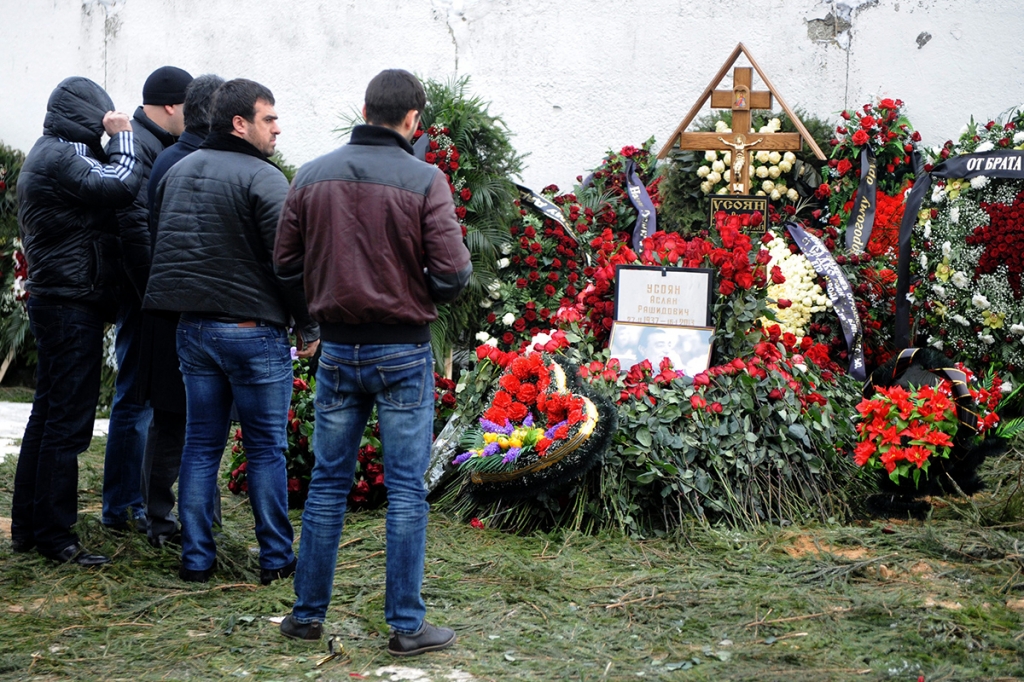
x=69, y=339
x=221, y=362
x=351, y=379
x=129, y=425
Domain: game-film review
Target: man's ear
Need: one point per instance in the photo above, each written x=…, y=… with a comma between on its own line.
x=364, y=114
x=169, y=109
x=240, y=125
x=410, y=119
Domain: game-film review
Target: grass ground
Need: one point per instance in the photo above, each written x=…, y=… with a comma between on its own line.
x=873, y=600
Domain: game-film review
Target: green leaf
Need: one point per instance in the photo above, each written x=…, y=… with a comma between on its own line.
x=643, y=436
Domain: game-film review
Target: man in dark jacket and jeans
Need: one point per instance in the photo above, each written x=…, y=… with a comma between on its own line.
x=371, y=232
x=68, y=191
x=159, y=380
x=216, y=216
x=157, y=124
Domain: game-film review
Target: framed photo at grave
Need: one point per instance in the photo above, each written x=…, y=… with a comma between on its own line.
x=688, y=348
x=679, y=297
x=742, y=204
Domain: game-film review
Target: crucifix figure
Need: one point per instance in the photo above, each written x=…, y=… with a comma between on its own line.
x=740, y=100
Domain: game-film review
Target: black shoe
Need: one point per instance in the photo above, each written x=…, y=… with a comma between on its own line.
x=76, y=554
x=191, y=576
x=269, y=575
x=22, y=545
x=429, y=638
x=165, y=539
x=296, y=630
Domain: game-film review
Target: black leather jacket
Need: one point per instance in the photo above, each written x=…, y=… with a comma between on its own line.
x=216, y=214
x=68, y=191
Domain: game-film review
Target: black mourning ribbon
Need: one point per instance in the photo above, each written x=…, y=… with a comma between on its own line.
x=865, y=203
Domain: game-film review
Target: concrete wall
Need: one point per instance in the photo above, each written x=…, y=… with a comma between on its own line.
x=570, y=77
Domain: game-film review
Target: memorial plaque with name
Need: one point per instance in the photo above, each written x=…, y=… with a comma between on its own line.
x=663, y=295
x=738, y=204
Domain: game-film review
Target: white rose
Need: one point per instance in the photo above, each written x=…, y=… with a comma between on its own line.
x=508, y=319
x=718, y=166
x=710, y=155
x=759, y=193
x=721, y=127
x=727, y=158
x=775, y=125
x=981, y=302
x=761, y=172
x=984, y=147
x=789, y=157
x=714, y=177
x=482, y=337
x=727, y=176
x=762, y=156
x=722, y=190
x=774, y=172
x=774, y=158
x=503, y=263
x=506, y=248
x=768, y=185
x=485, y=303
x=703, y=171
x=1017, y=328
x=979, y=181
x=987, y=339
x=775, y=195
x=792, y=194
x=785, y=166
x=705, y=187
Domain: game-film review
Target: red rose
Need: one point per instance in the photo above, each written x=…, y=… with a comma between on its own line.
x=860, y=138
x=887, y=104
x=430, y=157
x=466, y=194
x=476, y=523
x=783, y=303
x=775, y=394
x=777, y=276
x=867, y=121
x=843, y=167
x=726, y=288
x=698, y=403
x=845, y=115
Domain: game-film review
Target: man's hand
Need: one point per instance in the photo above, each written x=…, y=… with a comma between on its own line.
x=115, y=122
x=304, y=350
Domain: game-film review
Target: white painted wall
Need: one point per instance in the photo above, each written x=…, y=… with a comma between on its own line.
x=570, y=77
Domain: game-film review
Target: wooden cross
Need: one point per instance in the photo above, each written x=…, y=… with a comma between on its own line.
x=741, y=141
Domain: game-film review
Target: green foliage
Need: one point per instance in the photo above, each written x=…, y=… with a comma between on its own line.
x=288, y=169
x=10, y=167
x=14, y=327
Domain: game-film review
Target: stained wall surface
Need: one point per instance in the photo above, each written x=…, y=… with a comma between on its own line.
x=571, y=78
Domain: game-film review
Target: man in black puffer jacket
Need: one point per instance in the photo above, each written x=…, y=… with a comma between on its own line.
x=157, y=124
x=216, y=214
x=67, y=194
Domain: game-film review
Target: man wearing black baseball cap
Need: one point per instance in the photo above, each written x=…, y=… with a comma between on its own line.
x=157, y=125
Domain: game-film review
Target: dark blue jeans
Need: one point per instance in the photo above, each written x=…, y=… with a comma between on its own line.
x=221, y=362
x=69, y=339
x=351, y=380
x=129, y=424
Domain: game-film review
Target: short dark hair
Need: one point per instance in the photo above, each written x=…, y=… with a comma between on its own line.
x=391, y=95
x=237, y=97
x=198, y=101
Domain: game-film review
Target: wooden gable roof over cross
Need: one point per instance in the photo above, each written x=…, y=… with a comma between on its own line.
x=741, y=100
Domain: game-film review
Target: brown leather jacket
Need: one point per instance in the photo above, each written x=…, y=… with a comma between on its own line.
x=371, y=232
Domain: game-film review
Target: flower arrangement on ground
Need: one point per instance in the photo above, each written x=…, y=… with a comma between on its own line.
x=972, y=258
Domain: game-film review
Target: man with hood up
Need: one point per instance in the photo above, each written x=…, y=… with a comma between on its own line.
x=68, y=192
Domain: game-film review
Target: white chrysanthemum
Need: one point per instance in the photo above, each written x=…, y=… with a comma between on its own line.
x=938, y=194
x=761, y=172
x=792, y=194
x=703, y=171
x=924, y=261
x=785, y=166
x=984, y=147
x=935, y=343
x=1017, y=329
x=961, y=320
x=503, y=263
x=710, y=155
x=981, y=302
x=979, y=182
x=705, y=187
x=954, y=214
x=767, y=185
x=717, y=166
x=1018, y=137
x=927, y=229
x=774, y=158
x=987, y=339
x=774, y=172
x=761, y=156
x=1006, y=388
x=508, y=319
x=789, y=157
x=947, y=249
x=939, y=290
x=960, y=280
x=714, y=177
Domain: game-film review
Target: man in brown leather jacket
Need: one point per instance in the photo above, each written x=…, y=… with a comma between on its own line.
x=371, y=232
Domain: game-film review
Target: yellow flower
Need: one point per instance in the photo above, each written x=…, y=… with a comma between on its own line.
x=503, y=442
x=942, y=272
x=490, y=437
x=993, y=320
x=924, y=215
x=515, y=442
x=954, y=186
x=940, y=309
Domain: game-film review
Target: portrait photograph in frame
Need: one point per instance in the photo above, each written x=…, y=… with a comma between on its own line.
x=688, y=348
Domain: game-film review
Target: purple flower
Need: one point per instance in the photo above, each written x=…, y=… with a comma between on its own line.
x=491, y=427
x=491, y=449
x=462, y=458
x=511, y=455
x=528, y=422
x=550, y=433
x=295, y=353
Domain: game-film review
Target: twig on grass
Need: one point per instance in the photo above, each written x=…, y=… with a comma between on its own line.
x=190, y=593
x=111, y=625
x=759, y=623
x=354, y=564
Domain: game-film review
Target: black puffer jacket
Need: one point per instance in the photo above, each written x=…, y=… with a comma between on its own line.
x=216, y=214
x=67, y=195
